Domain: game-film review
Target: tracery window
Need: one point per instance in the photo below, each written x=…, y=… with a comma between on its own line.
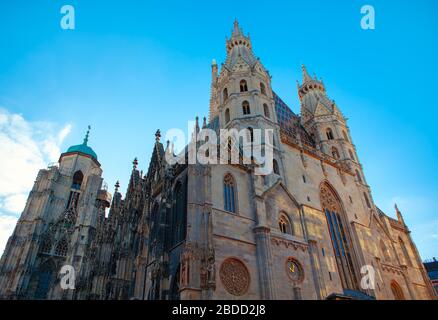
x=340, y=236
x=46, y=245
x=229, y=193
x=62, y=248
x=285, y=225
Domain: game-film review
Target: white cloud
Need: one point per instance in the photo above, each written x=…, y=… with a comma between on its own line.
x=25, y=148
x=7, y=225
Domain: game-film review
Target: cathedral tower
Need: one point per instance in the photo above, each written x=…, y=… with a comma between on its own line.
x=328, y=127
x=55, y=227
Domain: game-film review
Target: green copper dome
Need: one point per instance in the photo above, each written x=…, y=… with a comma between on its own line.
x=84, y=148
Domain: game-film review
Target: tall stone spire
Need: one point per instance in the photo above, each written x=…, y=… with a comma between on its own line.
x=306, y=76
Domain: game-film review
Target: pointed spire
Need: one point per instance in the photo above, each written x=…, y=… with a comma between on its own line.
x=197, y=125
x=157, y=136
x=117, y=186
x=399, y=215
x=135, y=163
x=306, y=76
x=204, y=123
x=236, y=30
x=87, y=135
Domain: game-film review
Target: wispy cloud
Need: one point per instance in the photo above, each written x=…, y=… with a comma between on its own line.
x=25, y=147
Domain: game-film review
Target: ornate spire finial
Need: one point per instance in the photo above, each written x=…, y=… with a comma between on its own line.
x=157, y=135
x=204, y=123
x=87, y=135
x=117, y=186
x=236, y=29
x=306, y=76
x=135, y=163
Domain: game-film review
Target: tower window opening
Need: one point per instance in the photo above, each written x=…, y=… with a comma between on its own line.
x=266, y=110
x=246, y=108
x=335, y=153
x=243, y=86
x=262, y=88
x=225, y=94
x=227, y=115
x=329, y=133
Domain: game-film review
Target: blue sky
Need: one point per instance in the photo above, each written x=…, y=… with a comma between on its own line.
x=131, y=67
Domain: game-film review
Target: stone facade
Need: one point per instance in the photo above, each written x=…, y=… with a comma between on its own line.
x=219, y=231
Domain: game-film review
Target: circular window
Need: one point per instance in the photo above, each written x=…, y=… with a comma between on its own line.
x=234, y=276
x=294, y=270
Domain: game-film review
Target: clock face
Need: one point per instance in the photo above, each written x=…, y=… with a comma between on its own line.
x=294, y=270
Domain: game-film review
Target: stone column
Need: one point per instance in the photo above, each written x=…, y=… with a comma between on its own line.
x=264, y=262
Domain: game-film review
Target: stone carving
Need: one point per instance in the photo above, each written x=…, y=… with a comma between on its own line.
x=234, y=276
x=329, y=200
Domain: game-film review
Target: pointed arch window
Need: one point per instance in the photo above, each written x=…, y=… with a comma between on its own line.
x=243, y=86
x=340, y=236
x=229, y=194
x=335, y=153
x=179, y=213
x=405, y=252
x=285, y=225
x=275, y=167
x=227, y=115
x=329, y=134
x=246, y=108
x=62, y=248
x=262, y=88
x=266, y=110
x=78, y=177
x=225, y=94
x=397, y=291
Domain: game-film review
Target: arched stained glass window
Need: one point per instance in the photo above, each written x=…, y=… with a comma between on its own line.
x=229, y=194
x=340, y=236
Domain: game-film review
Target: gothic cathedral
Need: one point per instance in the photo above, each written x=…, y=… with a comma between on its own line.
x=308, y=230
